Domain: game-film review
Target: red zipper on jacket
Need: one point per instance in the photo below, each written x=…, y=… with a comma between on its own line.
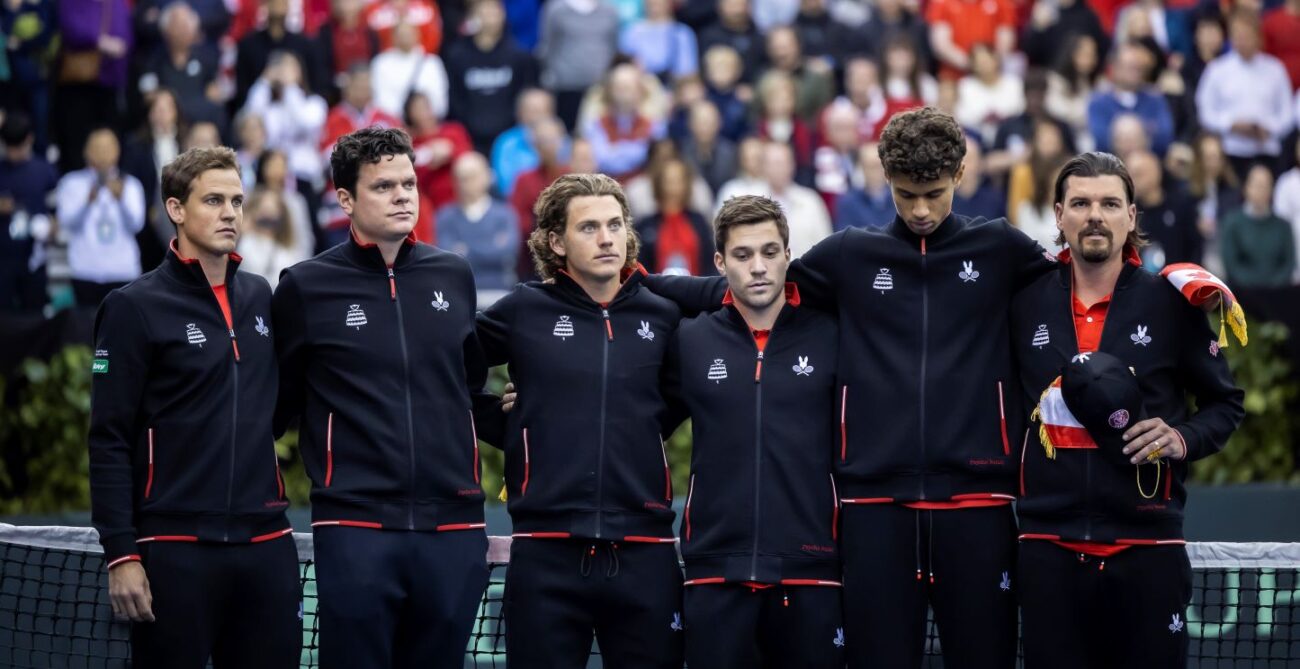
x=148, y=483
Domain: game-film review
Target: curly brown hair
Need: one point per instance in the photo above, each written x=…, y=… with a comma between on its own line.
x=552, y=214
x=922, y=145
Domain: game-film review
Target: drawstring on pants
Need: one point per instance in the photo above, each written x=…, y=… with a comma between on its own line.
x=613, y=568
x=929, y=545
x=918, y=544
x=589, y=556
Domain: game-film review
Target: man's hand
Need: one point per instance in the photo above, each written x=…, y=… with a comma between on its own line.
x=128, y=588
x=6, y=205
x=508, y=399
x=1152, y=439
x=115, y=187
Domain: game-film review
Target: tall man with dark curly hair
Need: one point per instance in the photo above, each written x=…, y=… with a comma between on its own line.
x=590, y=493
x=380, y=362
x=927, y=417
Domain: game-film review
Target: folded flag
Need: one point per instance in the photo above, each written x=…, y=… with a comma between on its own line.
x=1199, y=286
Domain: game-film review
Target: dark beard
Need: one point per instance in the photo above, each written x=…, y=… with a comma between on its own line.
x=1095, y=254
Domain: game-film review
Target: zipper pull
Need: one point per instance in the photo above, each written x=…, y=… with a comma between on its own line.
x=758, y=368
x=234, y=343
x=923, y=246
x=392, y=285
x=609, y=329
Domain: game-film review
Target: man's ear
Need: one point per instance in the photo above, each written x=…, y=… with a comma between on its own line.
x=346, y=203
x=718, y=262
x=175, y=211
x=556, y=242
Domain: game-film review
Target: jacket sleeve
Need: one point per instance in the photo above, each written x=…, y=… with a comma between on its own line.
x=289, y=317
x=1029, y=260
x=670, y=383
x=492, y=327
x=818, y=273
x=1206, y=376
x=693, y=294
x=117, y=387
x=489, y=419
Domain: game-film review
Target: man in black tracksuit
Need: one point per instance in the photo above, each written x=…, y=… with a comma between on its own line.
x=380, y=362
x=185, y=486
x=1104, y=577
x=759, y=530
x=589, y=488
x=926, y=413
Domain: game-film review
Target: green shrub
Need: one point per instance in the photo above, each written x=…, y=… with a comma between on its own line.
x=45, y=465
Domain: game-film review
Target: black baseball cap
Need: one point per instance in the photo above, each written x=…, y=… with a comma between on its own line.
x=1104, y=396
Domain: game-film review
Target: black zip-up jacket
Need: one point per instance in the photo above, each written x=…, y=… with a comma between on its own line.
x=180, y=418
x=584, y=443
x=1172, y=350
x=383, y=368
x=925, y=372
x=762, y=505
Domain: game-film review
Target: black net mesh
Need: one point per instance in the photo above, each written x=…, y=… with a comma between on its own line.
x=54, y=612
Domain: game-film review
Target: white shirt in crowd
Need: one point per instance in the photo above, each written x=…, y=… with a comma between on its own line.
x=395, y=75
x=1286, y=204
x=1233, y=89
x=982, y=106
x=101, y=232
x=1040, y=224
x=293, y=125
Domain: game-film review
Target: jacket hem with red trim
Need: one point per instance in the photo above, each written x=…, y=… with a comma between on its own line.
x=206, y=528
x=1078, y=528
x=611, y=525
x=397, y=514
x=773, y=569
x=903, y=488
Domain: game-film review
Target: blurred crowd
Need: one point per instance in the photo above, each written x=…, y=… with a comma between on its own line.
x=686, y=102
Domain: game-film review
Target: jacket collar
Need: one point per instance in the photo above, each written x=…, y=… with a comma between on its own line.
x=368, y=255
x=947, y=228
x=190, y=272
x=630, y=277
x=791, y=303
x=1132, y=262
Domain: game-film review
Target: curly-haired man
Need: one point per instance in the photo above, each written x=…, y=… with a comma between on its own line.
x=927, y=417
x=588, y=483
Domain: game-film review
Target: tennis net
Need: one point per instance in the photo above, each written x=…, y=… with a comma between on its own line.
x=54, y=608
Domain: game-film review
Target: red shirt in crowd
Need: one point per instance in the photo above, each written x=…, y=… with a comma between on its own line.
x=383, y=16
x=437, y=187
x=972, y=21
x=1281, y=32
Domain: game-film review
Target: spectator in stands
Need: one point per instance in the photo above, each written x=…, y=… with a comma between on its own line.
x=251, y=134
x=356, y=110
x=579, y=41
x=676, y=238
x=662, y=46
x=1166, y=214
x=863, y=91
x=770, y=15
x=384, y=16
x=1167, y=29
x=1281, y=33
x=486, y=73
x=1071, y=84
x=1245, y=97
x=293, y=115
x=1217, y=190
x=27, y=183
x=268, y=242
x=212, y=19
x=255, y=50
x=988, y=95
x=869, y=206
x=640, y=192
x=620, y=138
x=956, y=26
x=551, y=142
x=438, y=145
x=513, y=152
x=480, y=227
x=907, y=84
x=202, y=134
x=835, y=161
x=722, y=74
x=184, y=65
x=152, y=146
x=656, y=100
x=814, y=80
x=736, y=30
x=1258, y=247
x=778, y=121
x=29, y=28
x=1128, y=135
x=1208, y=41
x=687, y=91
x=710, y=155
x=346, y=42
x=1030, y=194
x=1286, y=202
x=815, y=28
x=1053, y=23
x=95, y=43
x=809, y=220
x=748, y=179
x=1015, y=134
x=406, y=69
x=1130, y=94
x=977, y=194
x=886, y=21
x=100, y=211
x=273, y=174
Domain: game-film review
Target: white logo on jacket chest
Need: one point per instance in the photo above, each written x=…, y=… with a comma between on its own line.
x=839, y=637
x=645, y=331
x=563, y=328
x=356, y=317
x=803, y=368
x=261, y=327
x=438, y=302
x=883, y=281
x=718, y=370
x=1175, y=624
x=194, y=335
x=1041, y=338
x=968, y=272
x=1140, y=337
